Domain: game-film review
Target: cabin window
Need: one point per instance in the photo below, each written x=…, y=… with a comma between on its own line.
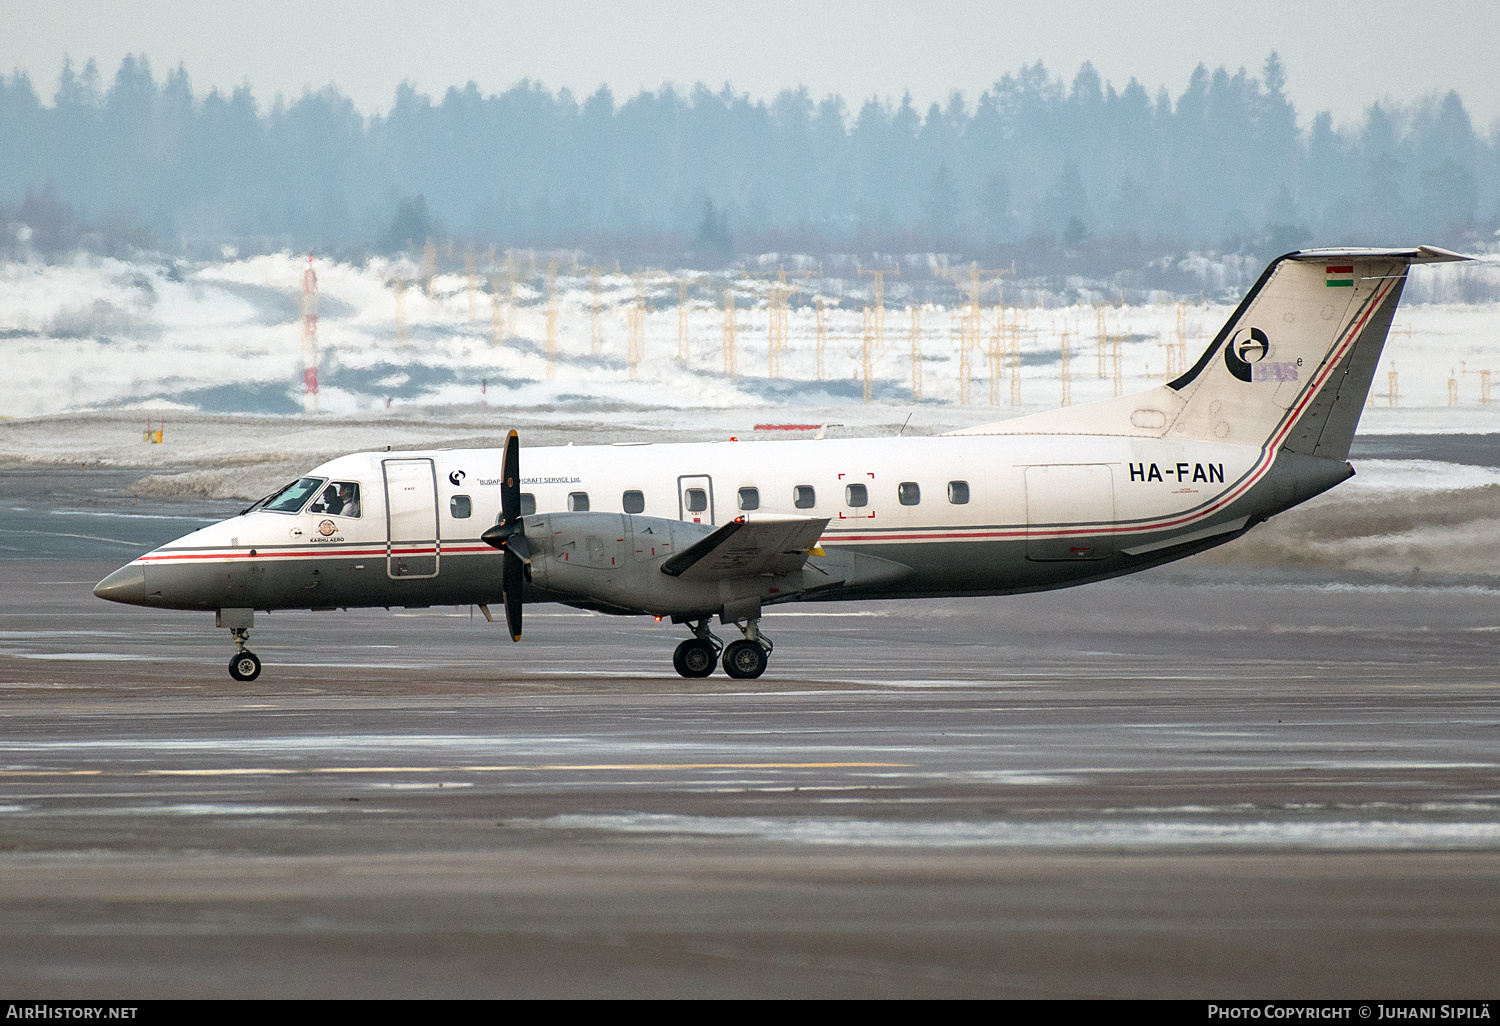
x=460, y=507
x=292, y=498
x=909, y=492
x=528, y=504
x=696, y=499
x=634, y=501
x=339, y=499
x=958, y=492
x=803, y=497
x=749, y=498
x=578, y=502
x=856, y=495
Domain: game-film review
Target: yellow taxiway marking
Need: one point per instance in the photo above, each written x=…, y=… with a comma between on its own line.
x=254, y=771
x=51, y=773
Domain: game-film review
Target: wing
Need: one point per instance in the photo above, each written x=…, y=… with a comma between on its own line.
x=748, y=548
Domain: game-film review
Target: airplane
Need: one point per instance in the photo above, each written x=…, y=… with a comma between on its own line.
x=1260, y=423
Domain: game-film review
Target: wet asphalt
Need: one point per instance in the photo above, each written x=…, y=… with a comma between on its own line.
x=1181, y=784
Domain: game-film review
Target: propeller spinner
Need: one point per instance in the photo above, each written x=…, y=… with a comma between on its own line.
x=509, y=536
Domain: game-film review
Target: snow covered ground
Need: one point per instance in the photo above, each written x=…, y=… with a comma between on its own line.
x=98, y=334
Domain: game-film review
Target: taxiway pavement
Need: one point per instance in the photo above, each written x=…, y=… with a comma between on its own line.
x=1180, y=784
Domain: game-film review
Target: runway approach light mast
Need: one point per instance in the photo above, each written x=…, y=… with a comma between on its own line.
x=310, y=337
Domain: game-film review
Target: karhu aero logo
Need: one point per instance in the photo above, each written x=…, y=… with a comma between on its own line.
x=1246, y=346
x=1245, y=356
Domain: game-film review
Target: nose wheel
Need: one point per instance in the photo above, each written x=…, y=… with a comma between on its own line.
x=245, y=666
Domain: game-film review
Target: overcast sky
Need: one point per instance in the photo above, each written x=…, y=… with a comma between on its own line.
x=1339, y=55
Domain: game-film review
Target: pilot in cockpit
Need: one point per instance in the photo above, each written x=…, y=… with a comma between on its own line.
x=328, y=502
x=340, y=499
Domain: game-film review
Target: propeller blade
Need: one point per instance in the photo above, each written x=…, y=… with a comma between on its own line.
x=513, y=581
x=510, y=528
x=510, y=534
x=510, y=482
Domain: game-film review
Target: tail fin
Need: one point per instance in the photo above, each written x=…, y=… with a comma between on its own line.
x=1290, y=369
x=1293, y=365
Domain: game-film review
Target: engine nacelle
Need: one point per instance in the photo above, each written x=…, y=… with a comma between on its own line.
x=614, y=561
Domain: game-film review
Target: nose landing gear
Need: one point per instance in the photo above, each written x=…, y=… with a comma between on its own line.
x=245, y=666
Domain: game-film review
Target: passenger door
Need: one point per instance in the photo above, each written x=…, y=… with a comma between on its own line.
x=412, y=547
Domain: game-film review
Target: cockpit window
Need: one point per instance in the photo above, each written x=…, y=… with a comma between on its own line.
x=292, y=498
x=339, y=499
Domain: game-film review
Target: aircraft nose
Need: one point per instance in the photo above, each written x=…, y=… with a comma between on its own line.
x=127, y=584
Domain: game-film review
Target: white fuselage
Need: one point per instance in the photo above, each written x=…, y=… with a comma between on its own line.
x=987, y=515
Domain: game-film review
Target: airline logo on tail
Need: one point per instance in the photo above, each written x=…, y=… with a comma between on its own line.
x=1245, y=356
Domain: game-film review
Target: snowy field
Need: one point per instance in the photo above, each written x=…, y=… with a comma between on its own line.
x=99, y=334
x=95, y=347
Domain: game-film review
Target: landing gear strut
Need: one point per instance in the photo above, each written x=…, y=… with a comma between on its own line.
x=742, y=660
x=245, y=665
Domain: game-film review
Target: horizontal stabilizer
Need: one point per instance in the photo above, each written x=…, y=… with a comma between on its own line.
x=749, y=548
x=1411, y=255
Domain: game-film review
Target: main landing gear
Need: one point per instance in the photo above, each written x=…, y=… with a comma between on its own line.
x=743, y=660
x=245, y=665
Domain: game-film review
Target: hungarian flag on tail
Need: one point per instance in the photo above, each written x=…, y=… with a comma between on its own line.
x=1340, y=276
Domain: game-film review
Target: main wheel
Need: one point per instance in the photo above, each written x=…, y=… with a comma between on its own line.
x=695, y=657
x=744, y=659
x=244, y=666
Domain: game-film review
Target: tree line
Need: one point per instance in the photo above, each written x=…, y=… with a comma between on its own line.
x=1035, y=167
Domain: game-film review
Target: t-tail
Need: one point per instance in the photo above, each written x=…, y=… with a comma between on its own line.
x=1293, y=366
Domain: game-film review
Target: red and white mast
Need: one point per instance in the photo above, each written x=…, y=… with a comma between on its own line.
x=310, y=338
